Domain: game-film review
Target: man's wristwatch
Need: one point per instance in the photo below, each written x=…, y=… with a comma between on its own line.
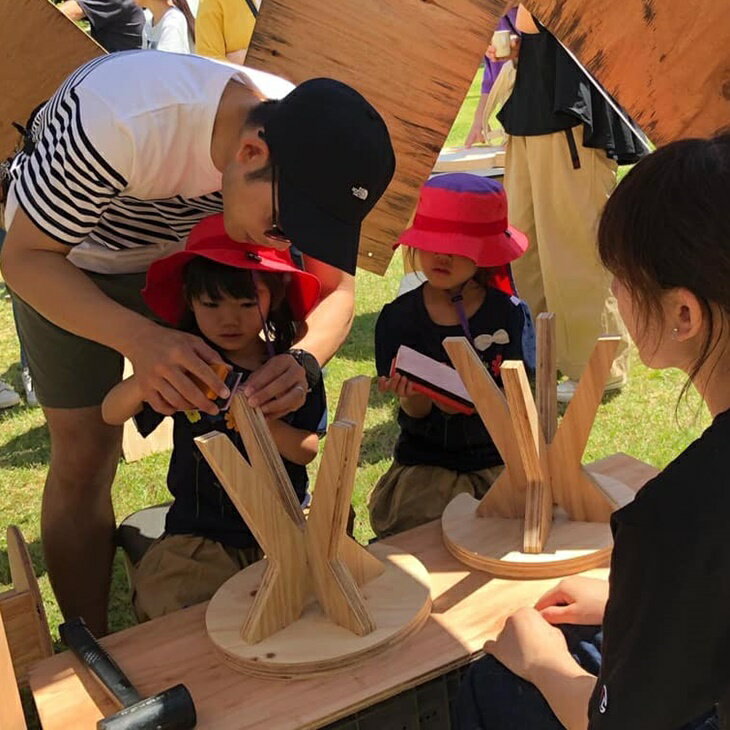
x=310, y=365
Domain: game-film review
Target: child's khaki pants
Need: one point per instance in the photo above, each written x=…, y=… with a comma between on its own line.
x=409, y=496
x=178, y=571
x=558, y=208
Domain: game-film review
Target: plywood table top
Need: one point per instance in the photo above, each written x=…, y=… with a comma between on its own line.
x=468, y=608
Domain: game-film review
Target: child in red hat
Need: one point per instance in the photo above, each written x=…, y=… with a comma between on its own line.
x=229, y=293
x=464, y=246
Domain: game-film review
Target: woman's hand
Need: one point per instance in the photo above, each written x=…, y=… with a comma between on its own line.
x=528, y=644
x=575, y=600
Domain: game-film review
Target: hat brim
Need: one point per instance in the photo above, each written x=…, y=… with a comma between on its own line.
x=497, y=250
x=315, y=232
x=164, y=289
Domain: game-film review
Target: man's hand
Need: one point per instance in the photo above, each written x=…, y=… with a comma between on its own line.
x=575, y=600
x=529, y=644
x=163, y=359
x=278, y=387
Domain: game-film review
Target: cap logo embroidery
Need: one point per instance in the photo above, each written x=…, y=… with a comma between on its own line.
x=361, y=193
x=603, y=705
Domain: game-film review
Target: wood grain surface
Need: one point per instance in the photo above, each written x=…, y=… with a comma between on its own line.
x=468, y=608
x=412, y=59
x=39, y=47
x=666, y=61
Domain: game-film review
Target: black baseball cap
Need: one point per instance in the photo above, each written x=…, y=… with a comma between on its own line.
x=334, y=160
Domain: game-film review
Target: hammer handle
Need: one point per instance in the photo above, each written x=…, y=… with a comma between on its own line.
x=77, y=637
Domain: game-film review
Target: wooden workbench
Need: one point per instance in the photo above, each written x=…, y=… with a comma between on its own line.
x=468, y=608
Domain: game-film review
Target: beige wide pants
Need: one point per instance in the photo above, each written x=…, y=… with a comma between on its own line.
x=558, y=208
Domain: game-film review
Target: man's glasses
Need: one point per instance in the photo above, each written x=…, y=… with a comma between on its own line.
x=275, y=233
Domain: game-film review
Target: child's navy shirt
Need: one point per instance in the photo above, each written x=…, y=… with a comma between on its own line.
x=457, y=442
x=666, y=629
x=202, y=507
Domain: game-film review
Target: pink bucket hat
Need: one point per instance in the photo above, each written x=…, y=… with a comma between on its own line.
x=465, y=215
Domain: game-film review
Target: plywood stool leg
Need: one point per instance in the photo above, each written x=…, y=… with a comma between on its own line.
x=334, y=584
x=574, y=490
x=506, y=497
x=547, y=370
x=352, y=407
x=539, y=505
x=280, y=597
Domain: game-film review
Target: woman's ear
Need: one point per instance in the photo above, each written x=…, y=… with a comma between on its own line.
x=684, y=313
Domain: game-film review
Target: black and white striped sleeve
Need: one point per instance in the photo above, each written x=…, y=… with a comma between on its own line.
x=68, y=181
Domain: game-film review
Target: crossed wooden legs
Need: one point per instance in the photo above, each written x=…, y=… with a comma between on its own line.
x=303, y=557
x=542, y=461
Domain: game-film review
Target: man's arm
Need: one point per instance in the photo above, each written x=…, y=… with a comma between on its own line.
x=72, y=10
x=280, y=385
x=36, y=268
x=329, y=323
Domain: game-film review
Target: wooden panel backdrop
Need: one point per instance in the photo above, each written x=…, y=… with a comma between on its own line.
x=666, y=61
x=412, y=59
x=39, y=47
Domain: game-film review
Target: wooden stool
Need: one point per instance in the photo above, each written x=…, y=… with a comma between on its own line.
x=319, y=601
x=515, y=531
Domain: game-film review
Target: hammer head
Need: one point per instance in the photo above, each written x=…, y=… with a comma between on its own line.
x=172, y=709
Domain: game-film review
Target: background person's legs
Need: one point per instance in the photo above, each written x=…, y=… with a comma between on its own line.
x=526, y=269
x=77, y=519
x=567, y=205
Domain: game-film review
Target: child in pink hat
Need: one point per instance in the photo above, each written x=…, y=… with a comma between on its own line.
x=228, y=293
x=464, y=246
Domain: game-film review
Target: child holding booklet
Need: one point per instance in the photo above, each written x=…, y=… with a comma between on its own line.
x=464, y=247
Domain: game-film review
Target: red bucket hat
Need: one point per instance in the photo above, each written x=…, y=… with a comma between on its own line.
x=465, y=215
x=163, y=290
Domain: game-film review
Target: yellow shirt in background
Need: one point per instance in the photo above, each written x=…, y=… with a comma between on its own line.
x=222, y=27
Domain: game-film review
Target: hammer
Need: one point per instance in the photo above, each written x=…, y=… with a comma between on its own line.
x=172, y=709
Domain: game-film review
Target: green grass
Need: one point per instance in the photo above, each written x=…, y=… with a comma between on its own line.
x=640, y=421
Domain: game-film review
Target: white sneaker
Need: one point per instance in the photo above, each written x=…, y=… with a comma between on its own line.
x=30, y=397
x=566, y=389
x=8, y=397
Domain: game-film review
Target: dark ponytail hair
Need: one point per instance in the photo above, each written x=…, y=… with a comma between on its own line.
x=203, y=277
x=183, y=6
x=667, y=225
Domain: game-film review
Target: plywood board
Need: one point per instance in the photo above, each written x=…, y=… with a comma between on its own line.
x=134, y=445
x=39, y=47
x=667, y=62
x=467, y=609
x=414, y=62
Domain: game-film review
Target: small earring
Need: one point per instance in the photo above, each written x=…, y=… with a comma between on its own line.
x=675, y=332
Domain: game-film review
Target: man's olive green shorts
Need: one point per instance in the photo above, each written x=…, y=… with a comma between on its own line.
x=70, y=371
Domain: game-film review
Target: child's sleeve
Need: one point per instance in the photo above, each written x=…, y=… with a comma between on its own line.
x=312, y=416
x=147, y=420
x=522, y=334
x=386, y=340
